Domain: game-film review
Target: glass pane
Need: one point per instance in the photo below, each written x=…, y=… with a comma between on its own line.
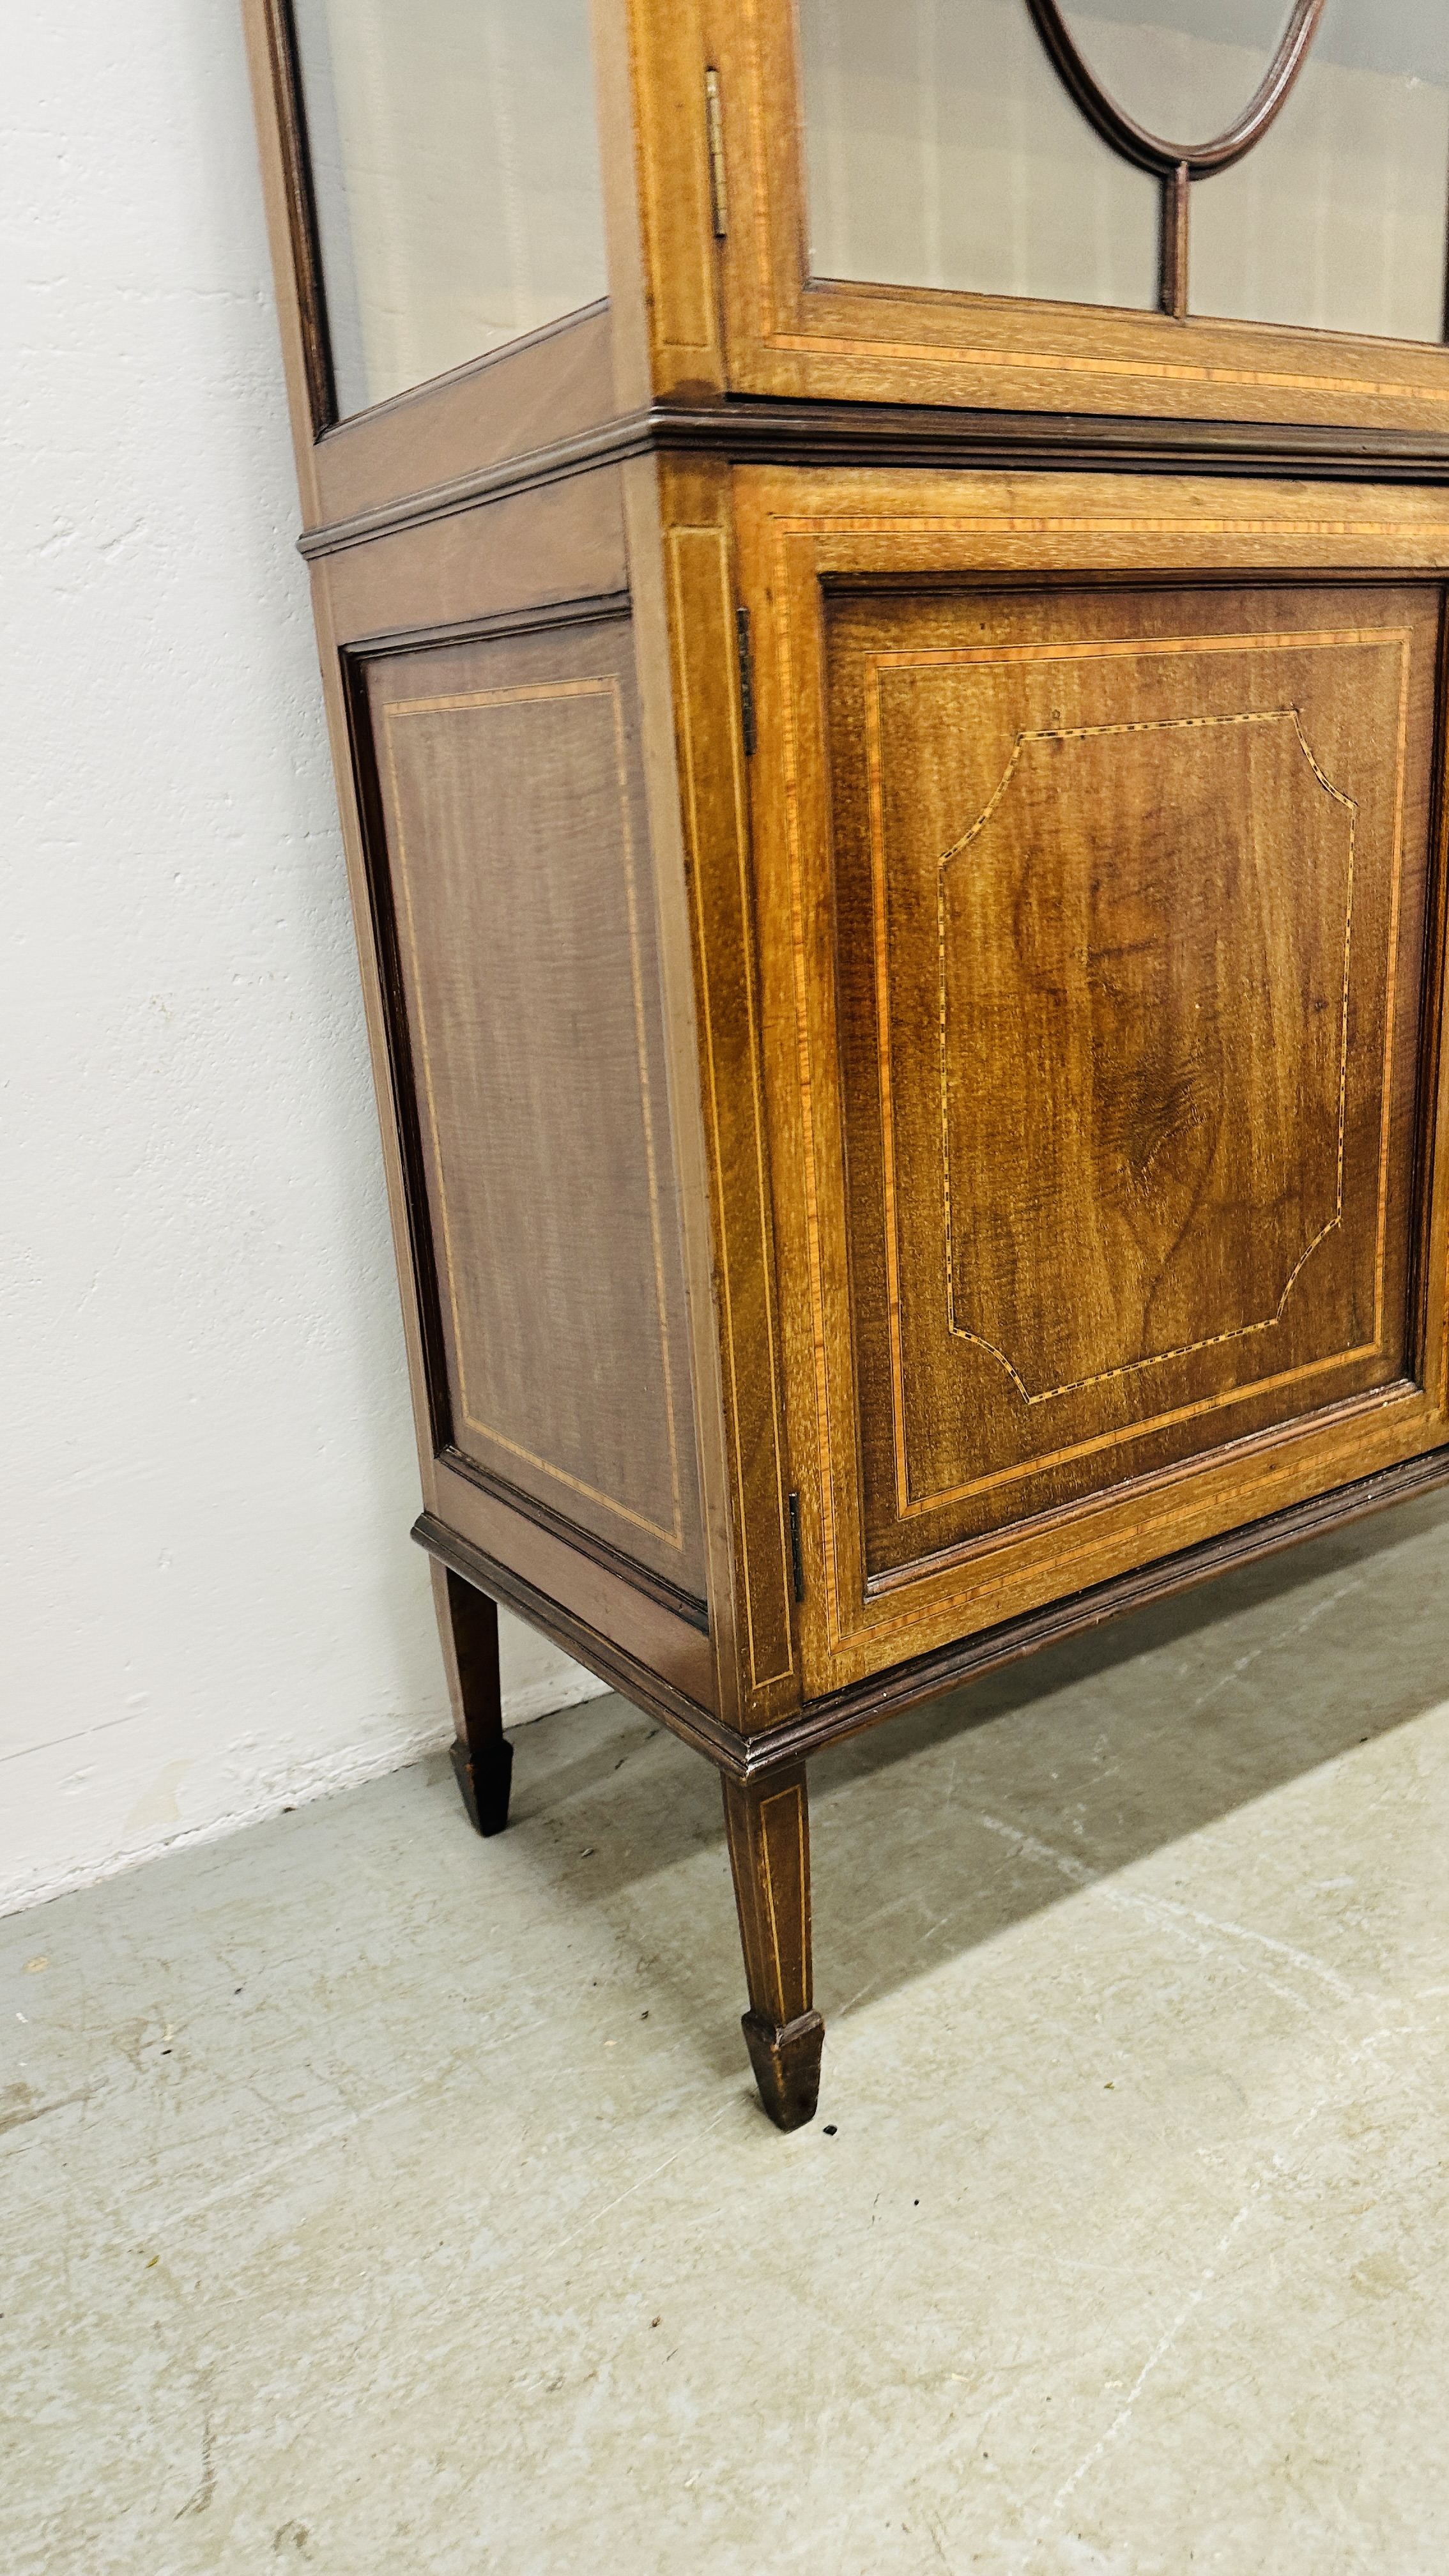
x=1338, y=217
x=1185, y=69
x=942, y=150
x=455, y=166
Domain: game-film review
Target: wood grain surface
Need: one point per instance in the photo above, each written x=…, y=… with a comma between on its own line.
x=714, y=795
x=552, y=384
x=1122, y=884
x=767, y=1825
x=1056, y=1122
x=519, y=882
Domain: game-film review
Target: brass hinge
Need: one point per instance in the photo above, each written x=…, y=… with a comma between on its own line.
x=797, y=1561
x=747, y=680
x=714, y=124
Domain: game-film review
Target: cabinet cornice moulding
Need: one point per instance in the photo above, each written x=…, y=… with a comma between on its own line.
x=750, y=432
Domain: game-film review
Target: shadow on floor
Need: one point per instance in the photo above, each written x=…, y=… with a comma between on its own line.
x=946, y=1825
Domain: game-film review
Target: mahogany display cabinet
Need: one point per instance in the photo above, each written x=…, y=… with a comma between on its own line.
x=882, y=620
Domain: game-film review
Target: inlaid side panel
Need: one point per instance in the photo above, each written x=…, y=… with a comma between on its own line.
x=1130, y=894
x=516, y=898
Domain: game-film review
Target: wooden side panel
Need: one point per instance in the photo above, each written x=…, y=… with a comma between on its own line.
x=526, y=395
x=530, y=550
x=515, y=888
x=1130, y=902
x=513, y=559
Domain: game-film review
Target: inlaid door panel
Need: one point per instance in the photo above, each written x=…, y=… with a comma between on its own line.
x=1129, y=893
x=1100, y=883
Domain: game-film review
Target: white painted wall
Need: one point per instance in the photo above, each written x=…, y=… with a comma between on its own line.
x=212, y=1606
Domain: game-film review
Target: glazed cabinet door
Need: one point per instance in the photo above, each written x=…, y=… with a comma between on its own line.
x=1099, y=886
x=1041, y=204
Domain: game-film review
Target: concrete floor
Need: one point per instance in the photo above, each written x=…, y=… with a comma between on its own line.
x=375, y=2199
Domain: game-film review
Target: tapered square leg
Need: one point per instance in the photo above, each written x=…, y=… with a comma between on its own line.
x=768, y=1827
x=482, y=1754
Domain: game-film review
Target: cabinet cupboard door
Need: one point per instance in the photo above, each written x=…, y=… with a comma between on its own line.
x=1107, y=906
